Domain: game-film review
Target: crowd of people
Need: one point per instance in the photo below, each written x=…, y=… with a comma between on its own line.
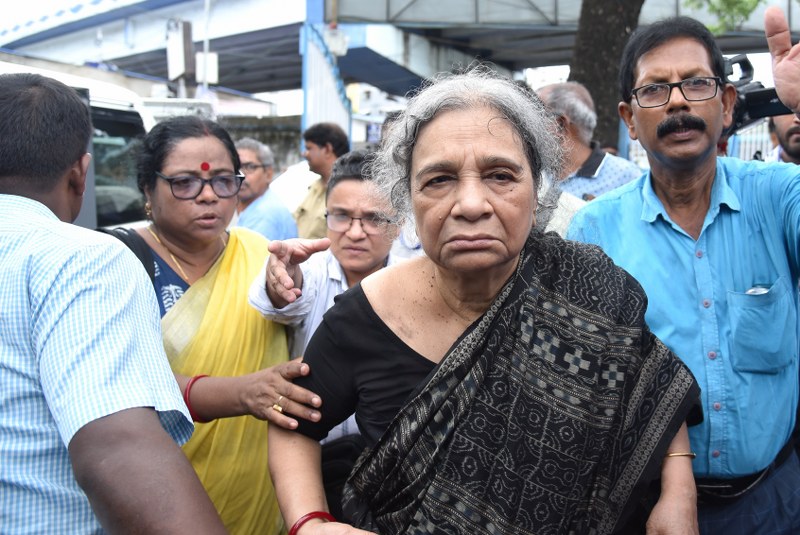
x=579, y=347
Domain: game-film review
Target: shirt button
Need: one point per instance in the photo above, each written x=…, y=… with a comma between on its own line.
x=712, y=355
x=715, y=453
x=717, y=406
x=706, y=303
x=698, y=254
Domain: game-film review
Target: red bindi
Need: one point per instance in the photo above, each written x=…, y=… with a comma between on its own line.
x=205, y=166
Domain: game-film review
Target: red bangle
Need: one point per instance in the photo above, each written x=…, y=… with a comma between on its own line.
x=186, y=398
x=310, y=516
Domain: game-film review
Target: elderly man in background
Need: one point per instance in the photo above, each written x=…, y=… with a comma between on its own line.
x=588, y=170
x=259, y=208
x=715, y=242
x=89, y=409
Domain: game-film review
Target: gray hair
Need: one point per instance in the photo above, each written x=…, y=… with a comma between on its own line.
x=476, y=88
x=263, y=152
x=572, y=100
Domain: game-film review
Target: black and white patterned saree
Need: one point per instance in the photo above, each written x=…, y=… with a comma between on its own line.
x=550, y=415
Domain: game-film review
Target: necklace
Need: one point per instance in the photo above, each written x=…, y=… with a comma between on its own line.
x=172, y=256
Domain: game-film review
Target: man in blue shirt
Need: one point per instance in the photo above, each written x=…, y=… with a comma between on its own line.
x=259, y=208
x=715, y=242
x=90, y=411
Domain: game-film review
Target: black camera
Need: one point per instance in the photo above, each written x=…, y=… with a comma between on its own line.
x=753, y=100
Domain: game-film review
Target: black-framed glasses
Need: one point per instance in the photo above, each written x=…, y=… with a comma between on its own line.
x=694, y=89
x=189, y=187
x=249, y=167
x=370, y=224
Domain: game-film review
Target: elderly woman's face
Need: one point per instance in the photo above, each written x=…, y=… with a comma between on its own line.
x=472, y=191
x=205, y=217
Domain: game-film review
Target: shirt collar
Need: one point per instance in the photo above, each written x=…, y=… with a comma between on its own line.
x=721, y=193
x=32, y=206
x=591, y=166
x=335, y=271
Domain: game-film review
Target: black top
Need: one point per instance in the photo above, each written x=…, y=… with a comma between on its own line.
x=359, y=365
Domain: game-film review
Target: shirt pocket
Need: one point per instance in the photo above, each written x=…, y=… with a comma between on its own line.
x=763, y=329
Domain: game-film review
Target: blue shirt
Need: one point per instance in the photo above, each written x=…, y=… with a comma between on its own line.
x=79, y=339
x=742, y=348
x=601, y=172
x=268, y=216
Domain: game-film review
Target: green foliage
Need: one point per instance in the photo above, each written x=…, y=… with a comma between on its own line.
x=730, y=13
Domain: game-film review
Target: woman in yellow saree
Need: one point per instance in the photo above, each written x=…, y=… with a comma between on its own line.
x=230, y=363
x=212, y=320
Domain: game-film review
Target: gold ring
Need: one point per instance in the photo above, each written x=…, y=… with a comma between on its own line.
x=278, y=408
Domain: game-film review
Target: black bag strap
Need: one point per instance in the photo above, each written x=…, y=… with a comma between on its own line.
x=135, y=243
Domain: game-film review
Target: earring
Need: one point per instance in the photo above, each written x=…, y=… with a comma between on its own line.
x=148, y=210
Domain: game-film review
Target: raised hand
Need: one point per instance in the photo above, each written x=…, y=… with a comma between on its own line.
x=785, y=57
x=284, y=278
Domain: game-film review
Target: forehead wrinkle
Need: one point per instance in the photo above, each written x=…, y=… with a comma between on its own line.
x=495, y=161
x=437, y=167
x=356, y=202
x=663, y=72
x=188, y=158
x=447, y=166
x=364, y=201
x=659, y=78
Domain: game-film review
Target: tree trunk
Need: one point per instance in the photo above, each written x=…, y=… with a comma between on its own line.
x=603, y=30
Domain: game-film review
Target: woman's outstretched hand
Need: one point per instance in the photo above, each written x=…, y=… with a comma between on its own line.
x=284, y=278
x=270, y=395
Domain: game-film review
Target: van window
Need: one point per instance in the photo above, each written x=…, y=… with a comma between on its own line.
x=117, y=134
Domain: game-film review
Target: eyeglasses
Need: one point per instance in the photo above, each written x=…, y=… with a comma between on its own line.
x=694, y=89
x=370, y=224
x=189, y=187
x=250, y=167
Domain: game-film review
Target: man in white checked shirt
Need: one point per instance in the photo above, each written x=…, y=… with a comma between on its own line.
x=90, y=413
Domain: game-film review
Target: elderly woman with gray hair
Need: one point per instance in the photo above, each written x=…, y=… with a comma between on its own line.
x=506, y=382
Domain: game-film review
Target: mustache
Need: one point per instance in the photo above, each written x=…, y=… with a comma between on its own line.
x=680, y=122
x=791, y=131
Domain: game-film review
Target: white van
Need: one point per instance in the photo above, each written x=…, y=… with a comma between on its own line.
x=120, y=120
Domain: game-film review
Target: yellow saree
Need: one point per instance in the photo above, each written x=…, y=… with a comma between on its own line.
x=212, y=330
